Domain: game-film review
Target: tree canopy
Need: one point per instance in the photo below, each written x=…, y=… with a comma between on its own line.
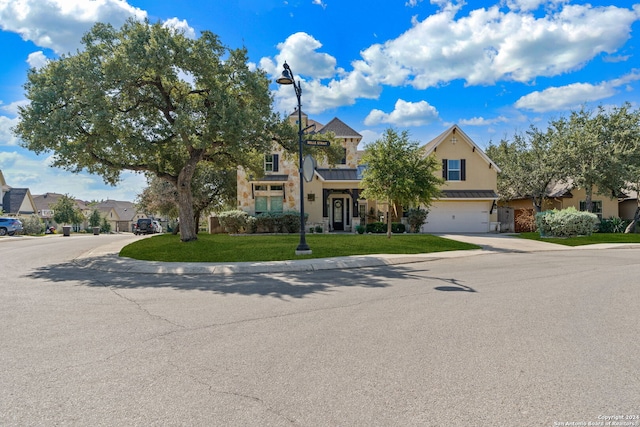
x=529, y=165
x=595, y=150
x=398, y=172
x=148, y=98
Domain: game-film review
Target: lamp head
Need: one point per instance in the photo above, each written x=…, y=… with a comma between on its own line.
x=287, y=76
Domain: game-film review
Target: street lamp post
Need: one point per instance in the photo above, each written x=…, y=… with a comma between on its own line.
x=287, y=79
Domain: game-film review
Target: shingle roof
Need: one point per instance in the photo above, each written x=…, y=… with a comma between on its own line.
x=469, y=194
x=13, y=199
x=338, y=174
x=340, y=129
x=126, y=210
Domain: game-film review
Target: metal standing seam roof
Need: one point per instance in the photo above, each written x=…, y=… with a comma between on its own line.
x=338, y=174
x=272, y=178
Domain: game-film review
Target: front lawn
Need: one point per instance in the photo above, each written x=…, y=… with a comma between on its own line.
x=226, y=248
x=585, y=240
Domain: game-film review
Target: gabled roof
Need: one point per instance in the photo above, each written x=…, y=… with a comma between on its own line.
x=340, y=129
x=14, y=198
x=431, y=146
x=45, y=201
x=126, y=211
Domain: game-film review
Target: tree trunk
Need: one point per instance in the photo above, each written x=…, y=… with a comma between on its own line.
x=185, y=199
x=588, y=203
x=636, y=217
x=389, y=220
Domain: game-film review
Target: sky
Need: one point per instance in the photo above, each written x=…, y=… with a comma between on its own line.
x=493, y=68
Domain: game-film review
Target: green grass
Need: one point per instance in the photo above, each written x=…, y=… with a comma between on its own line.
x=225, y=248
x=585, y=240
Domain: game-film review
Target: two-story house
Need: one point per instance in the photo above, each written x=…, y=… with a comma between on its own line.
x=332, y=199
x=469, y=194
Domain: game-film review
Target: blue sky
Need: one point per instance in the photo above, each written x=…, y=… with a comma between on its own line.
x=494, y=68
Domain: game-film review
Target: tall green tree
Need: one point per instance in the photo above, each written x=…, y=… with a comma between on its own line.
x=601, y=149
x=529, y=165
x=147, y=98
x=66, y=212
x=398, y=172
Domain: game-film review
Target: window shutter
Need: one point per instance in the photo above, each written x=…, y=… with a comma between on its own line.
x=463, y=169
x=444, y=168
x=275, y=163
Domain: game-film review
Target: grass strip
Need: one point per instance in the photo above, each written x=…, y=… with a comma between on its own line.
x=585, y=240
x=255, y=247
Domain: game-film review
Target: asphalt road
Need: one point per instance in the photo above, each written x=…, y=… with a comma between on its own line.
x=504, y=339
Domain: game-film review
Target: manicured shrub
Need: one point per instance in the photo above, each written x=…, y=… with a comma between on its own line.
x=397, y=227
x=233, y=221
x=32, y=225
x=319, y=229
x=290, y=222
x=376, y=227
x=416, y=217
x=566, y=223
x=360, y=229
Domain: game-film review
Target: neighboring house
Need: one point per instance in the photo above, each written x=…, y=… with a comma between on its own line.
x=332, y=199
x=44, y=203
x=15, y=201
x=18, y=201
x=562, y=195
x=121, y=215
x=469, y=194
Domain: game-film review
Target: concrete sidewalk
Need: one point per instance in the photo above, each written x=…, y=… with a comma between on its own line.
x=105, y=258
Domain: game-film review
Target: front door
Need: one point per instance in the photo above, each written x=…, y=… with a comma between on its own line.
x=338, y=214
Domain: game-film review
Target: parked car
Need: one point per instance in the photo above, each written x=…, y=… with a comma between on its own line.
x=144, y=226
x=157, y=228
x=10, y=226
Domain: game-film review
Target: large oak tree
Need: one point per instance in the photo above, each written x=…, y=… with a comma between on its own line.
x=148, y=98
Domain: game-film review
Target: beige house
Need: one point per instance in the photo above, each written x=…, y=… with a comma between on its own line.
x=468, y=202
x=332, y=198
x=15, y=201
x=563, y=195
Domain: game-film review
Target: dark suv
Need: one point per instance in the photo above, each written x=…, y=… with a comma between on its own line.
x=144, y=226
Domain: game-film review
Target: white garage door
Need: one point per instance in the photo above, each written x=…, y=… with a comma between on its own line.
x=458, y=217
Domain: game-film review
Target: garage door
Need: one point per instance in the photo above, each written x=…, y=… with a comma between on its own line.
x=458, y=217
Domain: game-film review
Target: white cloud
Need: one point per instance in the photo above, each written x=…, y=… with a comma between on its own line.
x=37, y=59
x=310, y=68
x=180, y=27
x=320, y=3
x=573, y=95
x=7, y=138
x=490, y=44
x=60, y=24
x=13, y=107
x=299, y=50
x=368, y=137
x=405, y=114
x=481, y=121
x=21, y=171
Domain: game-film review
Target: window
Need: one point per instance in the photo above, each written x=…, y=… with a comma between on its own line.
x=271, y=163
x=269, y=198
x=343, y=160
x=454, y=169
x=596, y=207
